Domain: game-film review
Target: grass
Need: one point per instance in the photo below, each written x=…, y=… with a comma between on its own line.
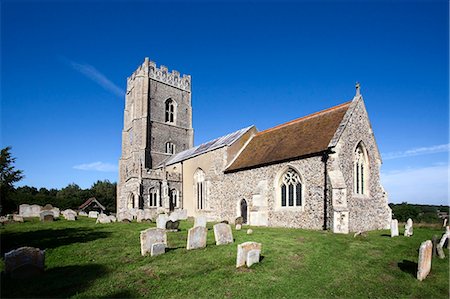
x=88, y=260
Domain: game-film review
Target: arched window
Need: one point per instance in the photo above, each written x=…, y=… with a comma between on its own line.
x=360, y=170
x=200, y=189
x=131, y=201
x=173, y=199
x=153, y=197
x=291, y=189
x=170, y=111
x=170, y=148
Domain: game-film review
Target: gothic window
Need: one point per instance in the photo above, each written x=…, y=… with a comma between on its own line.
x=170, y=115
x=200, y=189
x=360, y=170
x=291, y=189
x=173, y=198
x=170, y=148
x=153, y=197
x=131, y=201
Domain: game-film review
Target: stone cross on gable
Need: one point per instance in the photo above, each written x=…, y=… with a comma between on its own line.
x=358, y=87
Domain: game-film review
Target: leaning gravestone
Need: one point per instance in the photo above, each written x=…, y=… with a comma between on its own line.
x=161, y=221
x=93, y=214
x=200, y=221
x=242, y=253
x=223, y=234
x=440, y=246
x=103, y=218
x=152, y=240
x=196, y=237
x=24, y=262
x=435, y=243
x=394, y=228
x=424, y=263
x=408, y=228
x=46, y=216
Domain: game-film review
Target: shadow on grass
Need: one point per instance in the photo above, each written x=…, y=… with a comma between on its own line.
x=386, y=235
x=408, y=267
x=49, y=238
x=59, y=282
x=122, y=294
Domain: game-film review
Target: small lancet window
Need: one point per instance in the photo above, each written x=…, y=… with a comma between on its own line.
x=200, y=189
x=170, y=148
x=360, y=170
x=291, y=189
x=170, y=111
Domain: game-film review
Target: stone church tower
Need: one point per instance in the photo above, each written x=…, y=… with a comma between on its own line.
x=157, y=124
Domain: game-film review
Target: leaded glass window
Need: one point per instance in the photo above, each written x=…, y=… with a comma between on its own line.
x=291, y=189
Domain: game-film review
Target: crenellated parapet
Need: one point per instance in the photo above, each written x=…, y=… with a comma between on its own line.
x=161, y=74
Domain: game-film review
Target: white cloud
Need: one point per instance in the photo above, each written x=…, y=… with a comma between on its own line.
x=97, y=166
x=442, y=148
x=427, y=185
x=92, y=73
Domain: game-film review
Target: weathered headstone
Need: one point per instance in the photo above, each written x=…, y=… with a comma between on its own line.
x=157, y=249
x=56, y=212
x=140, y=215
x=124, y=216
x=238, y=226
x=394, y=228
x=408, y=228
x=70, y=216
x=25, y=210
x=239, y=220
x=47, y=207
x=152, y=236
x=253, y=257
x=17, y=218
x=112, y=218
x=441, y=245
x=243, y=250
x=93, y=214
x=82, y=213
x=440, y=251
x=200, y=221
x=223, y=234
x=445, y=222
x=46, y=215
x=424, y=263
x=249, y=231
x=68, y=211
x=103, y=218
x=435, y=243
x=161, y=221
x=196, y=237
x=24, y=262
x=35, y=211
x=172, y=225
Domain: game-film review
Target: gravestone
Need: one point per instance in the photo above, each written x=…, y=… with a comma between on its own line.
x=152, y=236
x=46, y=215
x=249, y=231
x=82, y=213
x=172, y=225
x=239, y=220
x=161, y=221
x=93, y=214
x=124, y=216
x=445, y=222
x=103, y=218
x=70, y=216
x=68, y=211
x=435, y=243
x=17, y=218
x=440, y=251
x=408, y=228
x=424, y=263
x=25, y=210
x=238, y=226
x=112, y=218
x=223, y=234
x=196, y=237
x=394, y=228
x=243, y=250
x=55, y=212
x=157, y=249
x=47, y=207
x=200, y=221
x=441, y=244
x=253, y=257
x=24, y=262
x=35, y=211
x=140, y=215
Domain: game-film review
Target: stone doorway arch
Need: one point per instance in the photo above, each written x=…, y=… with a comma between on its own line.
x=244, y=209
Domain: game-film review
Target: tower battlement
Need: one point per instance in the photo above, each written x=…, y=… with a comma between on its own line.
x=161, y=74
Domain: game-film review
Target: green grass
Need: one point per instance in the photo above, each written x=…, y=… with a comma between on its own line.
x=87, y=260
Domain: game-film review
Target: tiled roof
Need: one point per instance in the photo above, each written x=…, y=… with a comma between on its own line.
x=301, y=137
x=206, y=147
x=90, y=201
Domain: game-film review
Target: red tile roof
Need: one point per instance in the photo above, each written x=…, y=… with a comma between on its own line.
x=304, y=136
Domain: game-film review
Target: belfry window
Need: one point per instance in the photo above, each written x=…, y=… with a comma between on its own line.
x=291, y=189
x=170, y=111
x=360, y=170
x=170, y=148
x=200, y=189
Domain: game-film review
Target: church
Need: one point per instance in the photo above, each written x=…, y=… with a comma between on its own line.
x=320, y=171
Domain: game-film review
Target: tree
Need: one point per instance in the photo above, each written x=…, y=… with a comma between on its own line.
x=105, y=193
x=8, y=176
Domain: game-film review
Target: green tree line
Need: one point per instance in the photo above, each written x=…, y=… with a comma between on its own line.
x=418, y=213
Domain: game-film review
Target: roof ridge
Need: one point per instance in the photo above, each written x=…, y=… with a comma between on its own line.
x=315, y=114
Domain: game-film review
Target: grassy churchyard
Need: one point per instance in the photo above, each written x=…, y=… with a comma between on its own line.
x=88, y=260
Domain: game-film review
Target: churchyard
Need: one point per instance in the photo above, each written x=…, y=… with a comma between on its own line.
x=85, y=259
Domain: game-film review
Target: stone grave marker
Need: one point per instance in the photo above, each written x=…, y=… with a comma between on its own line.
x=435, y=243
x=445, y=222
x=172, y=225
x=243, y=250
x=24, y=262
x=200, y=221
x=35, y=211
x=157, y=249
x=150, y=237
x=196, y=237
x=238, y=226
x=408, y=228
x=394, y=228
x=239, y=220
x=161, y=221
x=253, y=257
x=56, y=212
x=424, y=263
x=17, y=218
x=83, y=213
x=112, y=218
x=46, y=215
x=70, y=216
x=124, y=216
x=103, y=218
x=223, y=234
x=93, y=214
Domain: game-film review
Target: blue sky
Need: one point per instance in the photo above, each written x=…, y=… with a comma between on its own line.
x=64, y=67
